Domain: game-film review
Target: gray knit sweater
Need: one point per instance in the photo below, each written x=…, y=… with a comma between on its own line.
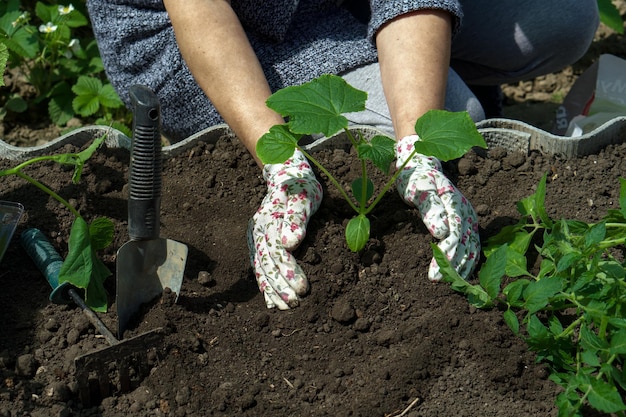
x=295, y=41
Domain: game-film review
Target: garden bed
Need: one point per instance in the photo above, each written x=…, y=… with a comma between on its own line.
x=373, y=338
x=373, y=335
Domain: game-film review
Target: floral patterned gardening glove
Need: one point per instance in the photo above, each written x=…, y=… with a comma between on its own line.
x=445, y=211
x=279, y=226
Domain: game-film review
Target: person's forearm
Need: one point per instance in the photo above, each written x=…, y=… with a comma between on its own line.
x=414, y=56
x=216, y=50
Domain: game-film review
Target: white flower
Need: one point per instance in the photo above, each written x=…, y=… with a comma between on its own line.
x=47, y=28
x=72, y=48
x=66, y=9
x=74, y=45
x=20, y=19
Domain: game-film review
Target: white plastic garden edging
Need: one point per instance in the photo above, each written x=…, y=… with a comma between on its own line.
x=509, y=134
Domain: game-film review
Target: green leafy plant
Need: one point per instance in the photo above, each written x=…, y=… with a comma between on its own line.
x=319, y=107
x=609, y=15
x=573, y=311
x=53, y=48
x=82, y=267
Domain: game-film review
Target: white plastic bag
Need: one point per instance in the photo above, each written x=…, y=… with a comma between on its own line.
x=597, y=96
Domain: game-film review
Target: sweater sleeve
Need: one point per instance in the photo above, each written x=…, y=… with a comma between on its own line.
x=386, y=10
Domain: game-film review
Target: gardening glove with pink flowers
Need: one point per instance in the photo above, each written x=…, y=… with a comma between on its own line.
x=445, y=211
x=279, y=226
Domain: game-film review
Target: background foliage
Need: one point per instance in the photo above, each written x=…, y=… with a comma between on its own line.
x=52, y=47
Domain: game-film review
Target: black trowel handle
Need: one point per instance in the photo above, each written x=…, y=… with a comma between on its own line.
x=144, y=201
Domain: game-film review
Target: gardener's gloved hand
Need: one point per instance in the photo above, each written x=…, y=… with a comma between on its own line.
x=445, y=211
x=279, y=226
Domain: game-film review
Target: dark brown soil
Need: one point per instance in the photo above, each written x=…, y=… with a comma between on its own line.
x=373, y=336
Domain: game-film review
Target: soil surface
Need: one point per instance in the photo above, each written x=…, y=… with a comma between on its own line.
x=373, y=338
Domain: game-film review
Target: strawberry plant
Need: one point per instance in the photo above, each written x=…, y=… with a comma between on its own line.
x=318, y=107
x=82, y=267
x=51, y=46
x=572, y=312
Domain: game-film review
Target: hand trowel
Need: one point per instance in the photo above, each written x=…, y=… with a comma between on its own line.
x=147, y=264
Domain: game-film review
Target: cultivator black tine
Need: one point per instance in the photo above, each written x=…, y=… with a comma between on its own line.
x=130, y=354
x=82, y=379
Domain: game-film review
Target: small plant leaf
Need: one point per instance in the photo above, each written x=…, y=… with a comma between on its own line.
x=75, y=19
x=109, y=98
x=101, y=231
x=77, y=160
x=534, y=205
x=538, y=334
x=358, y=232
x=86, y=153
x=78, y=265
x=82, y=267
x=515, y=264
x=447, y=135
x=87, y=100
x=590, y=358
x=22, y=43
x=380, y=150
x=609, y=15
x=277, y=145
x=490, y=275
x=595, y=234
x=538, y=293
x=618, y=343
x=514, y=291
x=476, y=295
x=511, y=320
x=357, y=189
x=44, y=13
x=60, y=105
x=605, y=397
x=95, y=293
x=507, y=235
x=318, y=106
x=16, y=104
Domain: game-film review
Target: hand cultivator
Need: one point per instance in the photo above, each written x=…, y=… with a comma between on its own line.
x=129, y=356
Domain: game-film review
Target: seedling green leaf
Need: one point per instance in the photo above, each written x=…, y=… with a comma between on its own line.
x=357, y=232
x=511, y=320
x=318, y=106
x=477, y=296
x=276, y=146
x=491, y=274
x=605, y=397
x=580, y=280
x=379, y=150
x=82, y=267
x=358, y=189
x=447, y=135
x=101, y=233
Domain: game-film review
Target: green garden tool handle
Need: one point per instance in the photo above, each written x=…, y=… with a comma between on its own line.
x=144, y=201
x=49, y=262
